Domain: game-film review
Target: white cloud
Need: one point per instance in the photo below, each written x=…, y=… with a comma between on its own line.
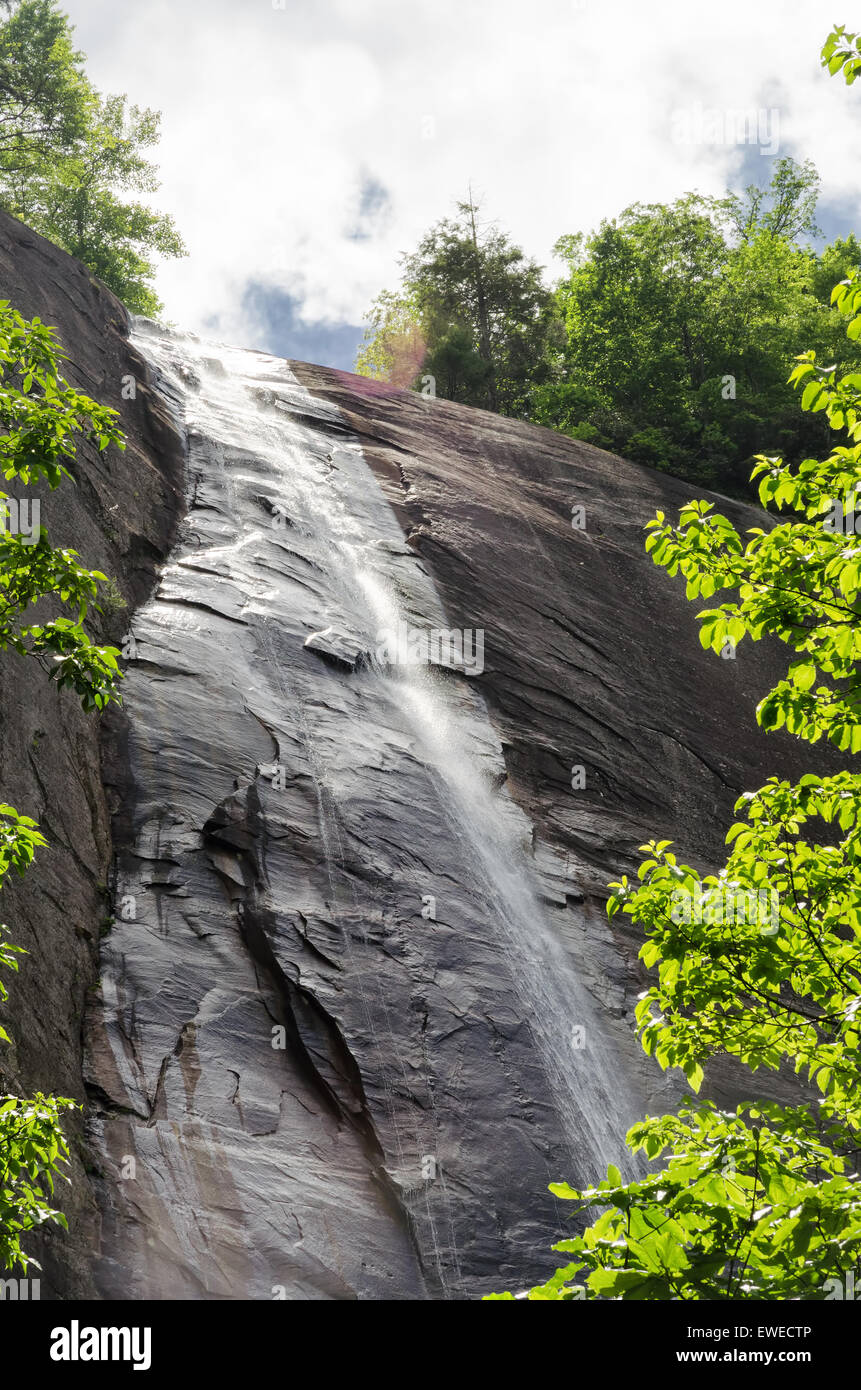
x=559, y=111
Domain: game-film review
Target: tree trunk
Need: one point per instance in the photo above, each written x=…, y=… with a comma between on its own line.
x=483, y=321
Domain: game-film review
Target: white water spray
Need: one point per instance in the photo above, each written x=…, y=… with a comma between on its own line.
x=340, y=523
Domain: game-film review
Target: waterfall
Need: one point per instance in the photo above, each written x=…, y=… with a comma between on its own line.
x=350, y=798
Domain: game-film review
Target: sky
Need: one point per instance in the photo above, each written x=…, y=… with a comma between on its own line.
x=306, y=143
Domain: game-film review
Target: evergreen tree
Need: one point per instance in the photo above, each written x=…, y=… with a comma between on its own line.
x=478, y=306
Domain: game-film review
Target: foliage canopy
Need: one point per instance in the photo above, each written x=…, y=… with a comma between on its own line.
x=42, y=420
x=472, y=312
x=69, y=158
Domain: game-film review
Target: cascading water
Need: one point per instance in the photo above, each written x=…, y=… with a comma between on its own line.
x=373, y=897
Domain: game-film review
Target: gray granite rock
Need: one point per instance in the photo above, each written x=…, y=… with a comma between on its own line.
x=121, y=517
x=385, y=860
x=359, y=1001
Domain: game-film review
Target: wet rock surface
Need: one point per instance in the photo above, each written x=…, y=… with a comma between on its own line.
x=121, y=518
x=314, y=1038
x=359, y=1001
x=591, y=659
x=367, y=935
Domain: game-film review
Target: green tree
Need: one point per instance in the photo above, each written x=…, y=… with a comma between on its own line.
x=480, y=308
x=786, y=207
x=761, y=961
x=79, y=202
x=41, y=420
x=682, y=323
x=69, y=158
x=45, y=99
x=394, y=347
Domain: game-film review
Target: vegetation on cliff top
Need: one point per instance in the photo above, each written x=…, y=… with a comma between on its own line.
x=70, y=158
x=668, y=339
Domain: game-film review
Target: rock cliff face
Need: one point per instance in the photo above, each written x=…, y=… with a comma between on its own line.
x=335, y=914
x=121, y=517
